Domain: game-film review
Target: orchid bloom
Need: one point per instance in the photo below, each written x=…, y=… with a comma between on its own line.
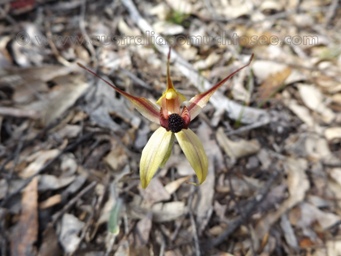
x=174, y=119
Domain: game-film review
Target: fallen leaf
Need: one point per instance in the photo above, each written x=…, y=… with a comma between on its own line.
x=288, y=231
x=51, y=201
x=300, y=111
x=167, y=28
x=272, y=84
x=143, y=229
x=313, y=99
x=25, y=232
x=171, y=187
x=236, y=149
x=155, y=192
x=163, y=212
x=70, y=226
x=333, y=247
x=117, y=158
x=263, y=69
x=39, y=160
x=50, y=242
x=309, y=214
x=208, y=62
x=333, y=134
x=50, y=182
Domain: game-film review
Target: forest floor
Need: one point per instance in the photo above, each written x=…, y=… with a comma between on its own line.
x=70, y=145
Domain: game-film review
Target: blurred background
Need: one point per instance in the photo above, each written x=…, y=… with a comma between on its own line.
x=70, y=146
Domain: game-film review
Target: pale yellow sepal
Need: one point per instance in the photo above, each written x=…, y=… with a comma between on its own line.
x=194, y=152
x=154, y=153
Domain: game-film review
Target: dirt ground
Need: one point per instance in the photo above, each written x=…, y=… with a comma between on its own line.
x=70, y=145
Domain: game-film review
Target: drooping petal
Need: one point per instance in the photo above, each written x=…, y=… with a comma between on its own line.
x=171, y=99
x=154, y=154
x=147, y=108
x=194, y=152
x=199, y=101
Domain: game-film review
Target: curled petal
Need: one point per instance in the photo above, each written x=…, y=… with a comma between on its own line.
x=186, y=117
x=194, y=152
x=155, y=154
x=199, y=101
x=147, y=108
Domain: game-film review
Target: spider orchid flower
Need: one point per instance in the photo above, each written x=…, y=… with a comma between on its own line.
x=174, y=119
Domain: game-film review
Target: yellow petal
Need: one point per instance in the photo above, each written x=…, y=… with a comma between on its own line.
x=194, y=152
x=147, y=108
x=155, y=153
x=199, y=101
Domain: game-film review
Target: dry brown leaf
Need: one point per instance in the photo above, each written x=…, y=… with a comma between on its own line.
x=51, y=201
x=69, y=131
x=50, y=182
x=143, y=227
x=50, y=242
x=272, y=84
x=236, y=149
x=155, y=192
x=25, y=233
x=271, y=6
x=168, y=28
x=313, y=99
x=173, y=186
x=288, y=231
x=333, y=247
x=310, y=214
x=335, y=174
x=117, y=157
x=300, y=111
x=241, y=186
x=39, y=160
x=208, y=62
x=333, y=134
x=263, y=69
x=162, y=212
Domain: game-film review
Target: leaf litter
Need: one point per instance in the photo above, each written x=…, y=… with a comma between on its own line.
x=67, y=139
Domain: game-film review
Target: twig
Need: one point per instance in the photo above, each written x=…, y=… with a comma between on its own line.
x=15, y=112
x=218, y=100
x=248, y=211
